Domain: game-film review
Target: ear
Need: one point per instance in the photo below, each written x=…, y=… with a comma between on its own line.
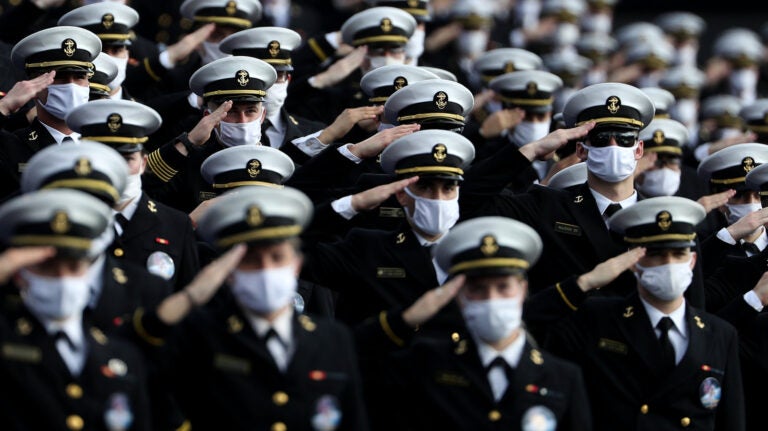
x=639, y=150
x=581, y=152
x=693, y=259
x=143, y=163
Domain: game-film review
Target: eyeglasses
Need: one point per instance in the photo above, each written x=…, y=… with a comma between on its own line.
x=602, y=138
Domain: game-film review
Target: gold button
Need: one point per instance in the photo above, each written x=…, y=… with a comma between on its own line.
x=279, y=426
x=119, y=252
x=644, y=409
x=280, y=398
x=494, y=415
x=74, y=422
x=74, y=391
x=685, y=421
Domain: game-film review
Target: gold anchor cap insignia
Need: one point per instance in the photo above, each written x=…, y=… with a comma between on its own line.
x=489, y=246
x=658, y=137
x=254, y=216
x=69, y=46
x=107, y=20
x=114, y=122
x=274, y=48
x=439, y=152
x=253, y=167
x=242, y=77
x=664, y=220
x=612, y=104
x=440, y=99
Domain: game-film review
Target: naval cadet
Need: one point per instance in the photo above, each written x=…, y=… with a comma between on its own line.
x=269, y=366
x=232, y=89
x=297, y=136
x=104, y=72
x=149, y=233
x=70, y=52
x=573, y=224
x=490, y=373
x=59, y=371
x=653, y=361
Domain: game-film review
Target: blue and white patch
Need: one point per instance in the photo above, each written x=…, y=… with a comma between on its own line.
x=539, y=418
x=118, y=416
x=709, y=393
x=327, y=414
x=161, y=264
x=298, y=303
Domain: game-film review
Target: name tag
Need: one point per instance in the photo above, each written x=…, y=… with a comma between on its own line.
x=451, y=379
x=22, y=353
x=232, y=364
x=391, y=212
x=568, y=229
x=390, y=272
x=612, y=346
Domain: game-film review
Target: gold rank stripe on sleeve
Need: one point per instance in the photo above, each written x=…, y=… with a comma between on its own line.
x=388, y=330
x=138, y=325
x=159, y=167
x=149, y=70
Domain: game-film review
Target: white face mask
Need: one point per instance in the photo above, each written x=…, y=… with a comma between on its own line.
x=63, y=98
x=55, y=298
x=597, y=23
x=122, y=65
x=472, y=43
x=265, y=291
x=433, y=216
x=211, y=52
x=492, y=320
x=612, y=163
x=415, y=46
x=276, y=95
x=666, y=282
x=660, y=182
x=234, y=134
x=737, y=211
x=382, y=60
x=528, y=131
x=132, y=189
x=685, y=111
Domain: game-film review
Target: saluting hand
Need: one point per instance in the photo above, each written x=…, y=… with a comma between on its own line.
x=180, y=50
x=716, y=200
x=606, y=272
x=16, y=258
x=432, y=301
x=200, y=134
x=500, y=121
x=544, y=148
x=374, y=145
x=23, y=91
x=373, y=197
x=345, y=121
x=748, y=224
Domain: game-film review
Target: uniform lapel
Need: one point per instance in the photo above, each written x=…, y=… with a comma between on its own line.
x=414, y=257
x=634, y=322
x=583, y=207
x=468, y=360
x=143, y=219
x=699, y=332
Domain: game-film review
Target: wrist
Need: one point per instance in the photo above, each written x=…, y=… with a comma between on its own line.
x=193, y=303
x=188, y=144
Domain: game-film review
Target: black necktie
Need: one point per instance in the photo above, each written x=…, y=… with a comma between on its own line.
x=264, y=138
x=122, y=221
x=611, y=210
x=61, y=335
x=508, y=370
x=750, y=247
x=667, y=350
x=67, y=140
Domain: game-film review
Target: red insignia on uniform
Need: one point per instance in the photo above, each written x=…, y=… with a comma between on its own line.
x=317, y=375
x=532, y=388
x=107, y=372
x=162, y=241
x=117, y=321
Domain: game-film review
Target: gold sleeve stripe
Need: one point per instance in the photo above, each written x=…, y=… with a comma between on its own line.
x=159, y=167
x=317, y=50
x=388, y=330
x=139, y=327
x=565, y=298
x=149, y=70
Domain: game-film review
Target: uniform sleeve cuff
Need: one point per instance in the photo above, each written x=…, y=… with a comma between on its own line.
x=344, y=150
x=343, y=207
x=752, y=299
x=165, y=161
x=725, y=236
x=394, y=327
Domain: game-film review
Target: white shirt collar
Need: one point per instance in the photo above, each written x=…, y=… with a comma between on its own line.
x=283, y=325
x=130, y=209
x=425, y=242
x=677, y=316
x=603, y=202
x=72, y=327
x=511, y=353
x=762, y=241
x=58, y=136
